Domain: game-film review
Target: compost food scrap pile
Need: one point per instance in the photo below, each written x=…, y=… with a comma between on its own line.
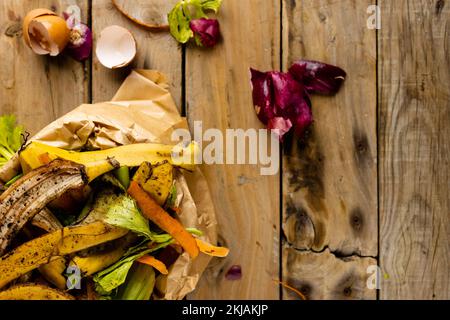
x=90, y=224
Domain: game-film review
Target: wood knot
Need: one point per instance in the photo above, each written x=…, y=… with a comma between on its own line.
x=322, y=17
x=306, y=289
x=14, y=30
x=361, y=148
x=356, y=219
x=303, y=287
x=347, y=291
x=440, y=4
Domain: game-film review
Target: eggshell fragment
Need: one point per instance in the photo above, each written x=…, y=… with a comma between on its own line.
x=45, y=32
x=116, y=47
x=29, y=17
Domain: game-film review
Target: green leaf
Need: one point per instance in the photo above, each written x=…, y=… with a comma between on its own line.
x=10, y=137
x=114, y=276
x=179, y=23
x=185, y=11
x=105, y=284
x=124, y=213
x=213, y=5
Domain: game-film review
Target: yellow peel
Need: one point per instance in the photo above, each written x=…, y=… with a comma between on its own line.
x=99, y=162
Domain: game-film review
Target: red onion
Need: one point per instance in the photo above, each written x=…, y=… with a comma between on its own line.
x=80, y=40
x=234, y=273
x=206, y=31
x=282, y=100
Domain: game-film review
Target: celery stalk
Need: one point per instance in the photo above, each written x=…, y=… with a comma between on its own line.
x=139, y=284
x=123, y=175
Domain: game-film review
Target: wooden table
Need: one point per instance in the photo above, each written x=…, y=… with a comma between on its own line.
x=368, y=186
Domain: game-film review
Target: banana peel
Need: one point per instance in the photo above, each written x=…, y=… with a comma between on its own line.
x=96, y=262
x=47, y=248
x=53, y=272
x=33, y=292
x=156, y=180
x=99, y=162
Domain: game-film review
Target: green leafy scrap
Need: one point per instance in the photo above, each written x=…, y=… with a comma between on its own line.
x=10, y=137
x=186, y=10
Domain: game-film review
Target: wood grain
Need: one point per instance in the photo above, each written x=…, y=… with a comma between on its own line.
x=247, y=204
x=330, y=175
x=339, y=278
x=38, y=89
x=414, y=149
x=156, y=50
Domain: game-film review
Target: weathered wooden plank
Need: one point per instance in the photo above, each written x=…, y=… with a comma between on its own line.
x=35, y=88
x=330, y=176
x=247, y=204
x=414, y=64
x=339, y=278
x=156, y=50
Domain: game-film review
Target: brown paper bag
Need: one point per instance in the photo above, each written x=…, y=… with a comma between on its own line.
x=143, y=111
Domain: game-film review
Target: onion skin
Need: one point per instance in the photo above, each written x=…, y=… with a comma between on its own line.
x=281, y=102
x=81, y=52
x=318, y=77
x=206, y=31
x=282, y=99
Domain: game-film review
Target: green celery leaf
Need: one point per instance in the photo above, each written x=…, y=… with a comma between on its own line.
x=10, y=134
x=213, y=5
x=179, y=24
x=112, y=277
x=16, y=138
x=125, y=214
x=105, y=284
x=195, y=231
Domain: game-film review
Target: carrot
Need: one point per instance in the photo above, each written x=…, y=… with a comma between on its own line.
x=211, y=250
x=162, y=219
x=153, y=262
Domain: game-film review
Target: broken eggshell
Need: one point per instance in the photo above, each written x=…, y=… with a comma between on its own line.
x=45, y=32
x=116, y=47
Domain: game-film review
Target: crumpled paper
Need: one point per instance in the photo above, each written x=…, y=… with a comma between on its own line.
x=143, y=111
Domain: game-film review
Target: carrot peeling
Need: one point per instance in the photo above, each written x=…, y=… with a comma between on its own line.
x=153, y=262
x=211, y=250
x=153, y=211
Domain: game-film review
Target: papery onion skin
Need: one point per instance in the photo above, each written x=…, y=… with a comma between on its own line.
x=318, y=77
